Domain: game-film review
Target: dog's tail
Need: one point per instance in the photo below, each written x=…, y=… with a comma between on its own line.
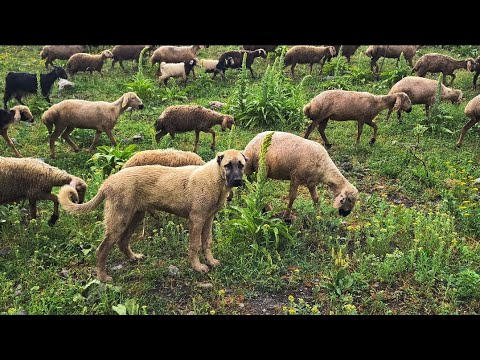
x=65, y=199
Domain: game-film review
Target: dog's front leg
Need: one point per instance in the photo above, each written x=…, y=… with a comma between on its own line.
x=207, y=242
x=196, y=224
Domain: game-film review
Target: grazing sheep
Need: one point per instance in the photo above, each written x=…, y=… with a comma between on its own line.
x=182, y=70
x=477, y=72
x=216, y=105
x=303, y=162
x=99, y=115
x=234, y=60
x=210, y=65
x=19, y=84
x=127, y=52
x=347, y=50
x=65, y=84
x=193, y=192
x=267, y=48
x=8, y=117
x=438, y=63
x=344, y=105
x=88, y=62
x=61, y=52
x=472, y=110
x=375, y=52
x=175, y=54
x=306, y=54
x=167, y=157
x=33, y=179
x=422, y=91
x=183, y=118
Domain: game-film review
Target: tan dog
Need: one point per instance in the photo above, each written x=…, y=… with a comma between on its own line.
x=193, y=192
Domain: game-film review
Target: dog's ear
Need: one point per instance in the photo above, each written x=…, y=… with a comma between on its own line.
x=246, y=158
x=220, y=158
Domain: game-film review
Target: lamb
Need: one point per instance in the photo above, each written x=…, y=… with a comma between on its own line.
x=167, y=157
x=210, y=65
x=472, y=110
x=477, y=72
x=303, y=162
x=234, y=60
x=306, y=54
x=99, y=115
x=33, y=179
x=175, y=54
x=183, y=118
x=127, y=52
x=65, y=84
x=182, y=70
x=438, y=63
x=375, y=52
x=344, y=105
x=19, y=84
x=267, y=48
x=422, y=91
x=87, y=62
x=347, y=50
x=8, y=117
x=61, y=52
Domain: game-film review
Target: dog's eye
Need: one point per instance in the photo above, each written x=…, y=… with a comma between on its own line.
x=229, y=165
x=240, y=165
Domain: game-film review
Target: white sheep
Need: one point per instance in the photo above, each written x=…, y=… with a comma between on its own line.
x=182, y=70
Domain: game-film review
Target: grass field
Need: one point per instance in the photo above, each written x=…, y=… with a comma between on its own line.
x=410, y=246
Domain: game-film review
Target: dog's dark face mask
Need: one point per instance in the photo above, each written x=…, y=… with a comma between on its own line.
x=232, y=166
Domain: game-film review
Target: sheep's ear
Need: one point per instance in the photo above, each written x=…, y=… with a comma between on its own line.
x=17, y=116
x=398, y=103
x=124, y=101
x=339, y=201
x=469, y=65
x=220, y=158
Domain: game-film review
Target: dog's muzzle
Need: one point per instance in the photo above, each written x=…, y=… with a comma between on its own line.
x=236, y=183
x=344, y=212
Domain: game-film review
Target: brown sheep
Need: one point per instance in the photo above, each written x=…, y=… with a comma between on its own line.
x=347, y=50
x=303, y=162
x=477, y=72
x=127, y=52
x=167, y=157
x=439, y=63
x=33, y=179
x=183, y=118
x=306, y=54
x=87, y=62
x=99, y=115
x=193, y=192
x=61, y=52
x=422, y=91
x=8, y=117
x=472, y=110
x=375, y=52
x=344, y=105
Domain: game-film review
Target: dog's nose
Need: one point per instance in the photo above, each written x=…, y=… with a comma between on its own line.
x=237, y=182
x=344, y=212
x=141, y=106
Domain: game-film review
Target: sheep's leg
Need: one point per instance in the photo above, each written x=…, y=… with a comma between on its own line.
x=6, y=97
x=465, y=128
x=19, y=99
x=399, y=116
x=196, y=225
x=193, y=74
x=427, y=109
x=113, y=63
x=398, y=59
x=95, y=140
x=100, y=72
x=159, y=135
x=453, y=76
x=313, y=193
x=475, y=77
x=207, y=242
x=197, y=137
x=375, y=128
x=110, y=136
x=10, y=142
x=55, y=135
x=121, y=65
x=292, y=196
x=410, y=62
x=311, y=68
x=444, y=79
x=212, y=146
x=251, y=72
x=32, y=204
x=389, y=113
x=54, y=199
x=292, y=69
x=310, y=129
x=124, y=242
x=66, y=137
x=359, y=131
x=321, y=129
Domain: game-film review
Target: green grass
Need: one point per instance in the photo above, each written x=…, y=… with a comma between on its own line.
x=410, y=246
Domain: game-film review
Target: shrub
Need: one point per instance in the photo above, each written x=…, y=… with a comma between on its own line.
x=110, y=159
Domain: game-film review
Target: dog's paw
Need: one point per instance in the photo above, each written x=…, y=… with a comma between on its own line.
x=201, y=268
x=104, y=278
x=213, y=262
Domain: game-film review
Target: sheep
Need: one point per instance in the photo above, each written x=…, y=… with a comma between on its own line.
x=99, y=115
x=477, y=72
x=347, y=50
x=210, y=65
x=306, y=54
x=375, y=52
x=33, y=179
x=303, y=162
x=65, y=84
x=127, y=52
x=61, y=52
x=88, y=62
x=175, y=54
x=8, y=117
x=167, y=157
x=472, y=110
x=234, y=60
x=182, y=70
x=422, y=91
x=19, y=84
x=344, y=105
x=183, y=118
x=438, y=63
x=267, y=48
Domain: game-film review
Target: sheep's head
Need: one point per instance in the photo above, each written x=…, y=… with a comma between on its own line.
x=345, y=201
x=332, y=50
x=229, y=61
x=21, y=113
x=402, y=102
x=107, y=54
x=457, y=96
x=130, y=99
x=227, y=122
x=81, y=188
x=60, y=72
x=261, y=53
x=369, y=51
x=232, y=167
x=471, y=65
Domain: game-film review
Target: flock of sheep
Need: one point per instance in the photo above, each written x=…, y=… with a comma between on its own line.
x=180, y=182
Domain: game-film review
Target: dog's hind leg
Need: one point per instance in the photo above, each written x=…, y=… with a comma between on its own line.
x=207, y=242
x=124, y=242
